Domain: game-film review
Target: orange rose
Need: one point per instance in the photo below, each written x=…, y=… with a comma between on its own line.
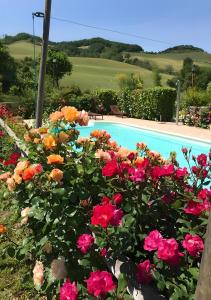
x=49, y=142
x=28, y=174
x=17, y=178
x=3, y=229
x=55, y=159
x=21, y=166
x=42, y=130
x=56, y=175
x=83, y=118
x=37, y=141
x=63, y=137
x=55, y=116
x=70, y=113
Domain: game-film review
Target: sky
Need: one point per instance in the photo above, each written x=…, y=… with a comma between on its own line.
x=174, y=22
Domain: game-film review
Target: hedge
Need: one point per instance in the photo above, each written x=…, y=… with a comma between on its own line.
x=151, y=104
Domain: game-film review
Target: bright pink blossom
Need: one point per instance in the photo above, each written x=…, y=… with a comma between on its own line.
x=68, y=291
x=193, y=244
x=181, y=172
x=152, y=241
x=100, y=283
x=85, y=242
x=194, y=208
x=136, y=174
x=143, y=272
x=168, y=250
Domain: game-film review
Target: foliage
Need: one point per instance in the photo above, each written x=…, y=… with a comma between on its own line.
x=105, y=98
x=209, y=88
x=182, y=48
x=194, y=97
x=7, y=69
x=86, y=200
x=57, y=65
x=157, y=78
x=130, y=81
x=150, y=104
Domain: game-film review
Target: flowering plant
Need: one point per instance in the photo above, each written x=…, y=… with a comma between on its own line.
x=87, y=200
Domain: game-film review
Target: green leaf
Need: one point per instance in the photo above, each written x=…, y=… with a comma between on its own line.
x=122, y=283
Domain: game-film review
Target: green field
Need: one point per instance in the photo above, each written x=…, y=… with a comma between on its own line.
x=175, y=59
x=91, y=73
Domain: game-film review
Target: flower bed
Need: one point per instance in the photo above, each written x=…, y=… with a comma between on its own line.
x=86, y=200
x=198, y=117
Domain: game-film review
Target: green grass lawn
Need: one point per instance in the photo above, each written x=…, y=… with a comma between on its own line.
x=89, y=73
x=175, y=59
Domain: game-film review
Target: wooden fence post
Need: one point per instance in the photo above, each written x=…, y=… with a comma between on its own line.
x=203, y=289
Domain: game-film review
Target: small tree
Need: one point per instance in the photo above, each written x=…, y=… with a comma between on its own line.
x=130, y=81
x=58, y=65
x=157, y=78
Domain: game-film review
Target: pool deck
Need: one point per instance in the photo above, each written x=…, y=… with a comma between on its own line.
x=203, y=135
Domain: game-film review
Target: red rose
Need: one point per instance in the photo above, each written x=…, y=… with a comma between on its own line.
x=137, y=175
x=152, y=241
x=85, y=242
x=202, y=159
x=105, y=215
x=110, y=169
x=117, y=198
x=143, y=272
x=105, y=200
x=193, y=244
x=181, y=172
x=99, y=283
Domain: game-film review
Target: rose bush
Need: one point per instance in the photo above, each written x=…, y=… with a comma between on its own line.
x=87, y=200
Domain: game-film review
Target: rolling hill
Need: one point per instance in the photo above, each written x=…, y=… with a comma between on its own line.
x=89, y=73
x=92, y=72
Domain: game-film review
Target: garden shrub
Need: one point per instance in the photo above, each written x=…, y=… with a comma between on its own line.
x=197, y=116
x=150, y=104
x=194, y=97
x=106, y=97
x=85, y=200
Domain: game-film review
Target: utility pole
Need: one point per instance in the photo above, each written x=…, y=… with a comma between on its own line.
x=41, y=82
x=203, y=289
x=178, y=101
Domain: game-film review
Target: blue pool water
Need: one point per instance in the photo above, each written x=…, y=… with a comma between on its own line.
x=128, y=136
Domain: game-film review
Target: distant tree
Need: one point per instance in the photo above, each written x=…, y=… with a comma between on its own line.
x=7, y=69
x=157, y=77
x=130, y=81
x=58, y=65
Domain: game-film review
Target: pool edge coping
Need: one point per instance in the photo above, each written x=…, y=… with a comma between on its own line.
x=205, y=141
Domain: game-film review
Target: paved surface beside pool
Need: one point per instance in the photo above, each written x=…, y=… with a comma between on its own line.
x=168, y=127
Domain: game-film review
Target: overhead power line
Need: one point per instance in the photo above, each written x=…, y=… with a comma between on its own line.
x=111, y=30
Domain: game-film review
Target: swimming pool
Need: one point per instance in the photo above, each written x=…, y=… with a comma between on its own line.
x=128, y=136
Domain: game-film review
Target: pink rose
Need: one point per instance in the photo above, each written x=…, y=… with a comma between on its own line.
x=152, y=241
x=85, y=242
x=99, y=283
x=168, y=250
x=194, y=208
x=202, y=159
x=193, y=244
x=68, y=291
x=143, y=272
x=38, y=274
